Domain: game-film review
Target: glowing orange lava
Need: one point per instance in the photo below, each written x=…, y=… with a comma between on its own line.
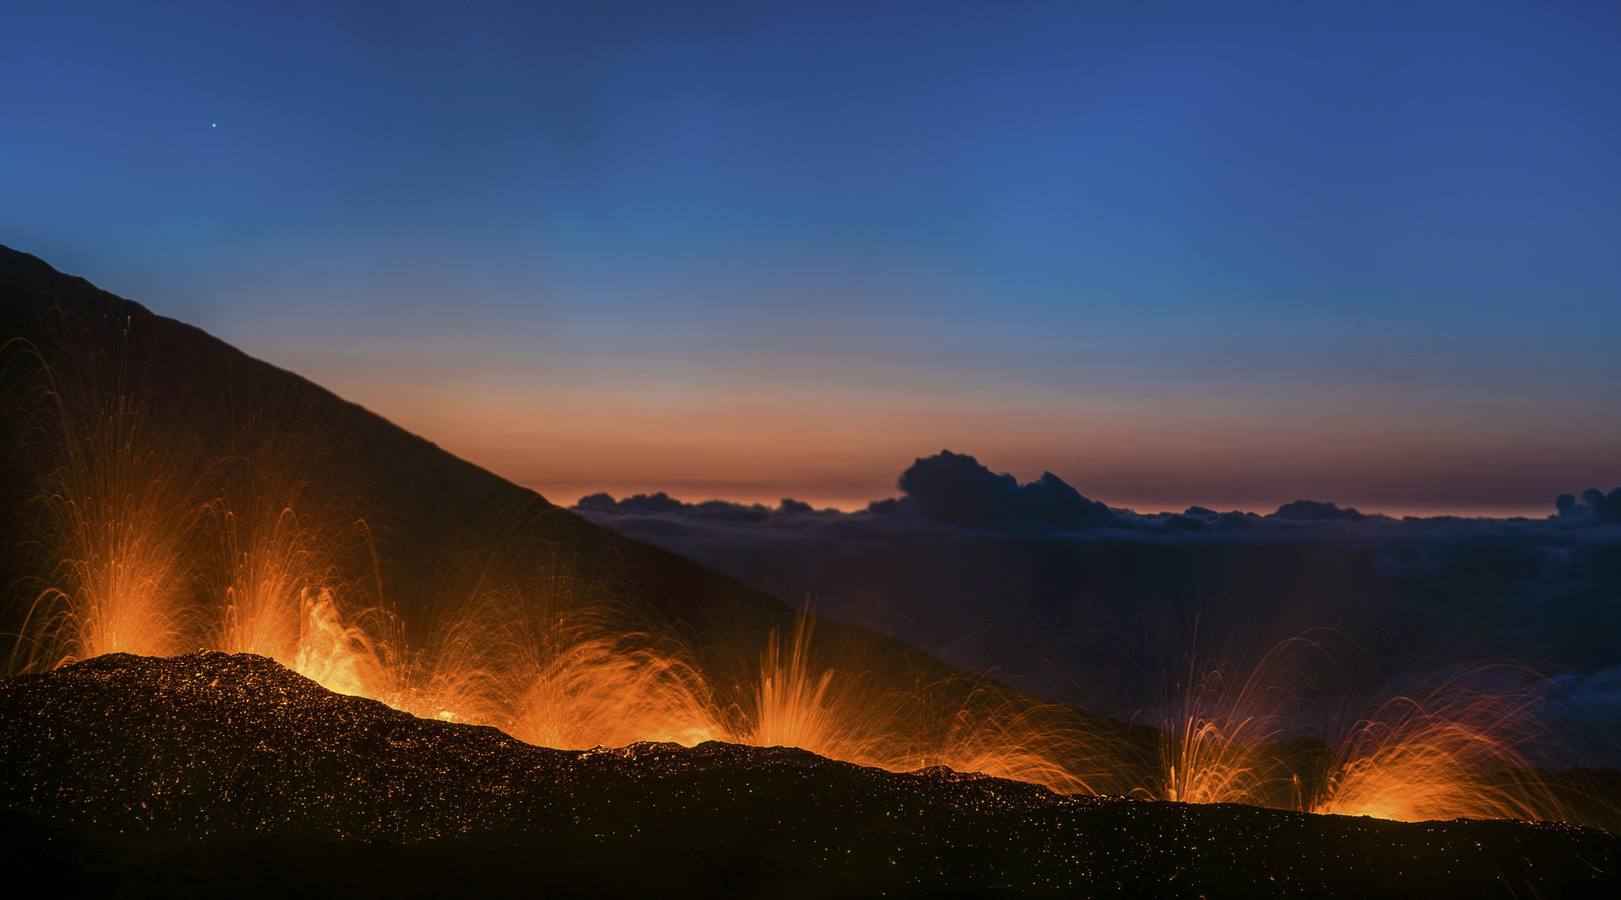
x=1456, y=750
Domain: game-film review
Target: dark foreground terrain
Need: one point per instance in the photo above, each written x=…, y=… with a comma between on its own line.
x=211, y=774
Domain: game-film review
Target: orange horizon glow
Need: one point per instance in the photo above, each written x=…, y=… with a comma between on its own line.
x=568, y=494
x=842, y=439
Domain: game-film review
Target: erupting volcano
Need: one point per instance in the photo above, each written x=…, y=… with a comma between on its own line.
x=901, y=449
x=169, y=494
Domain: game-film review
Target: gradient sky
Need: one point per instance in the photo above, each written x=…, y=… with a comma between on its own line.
x=1174, y=254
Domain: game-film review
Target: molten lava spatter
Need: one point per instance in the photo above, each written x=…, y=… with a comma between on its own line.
x=216, y=753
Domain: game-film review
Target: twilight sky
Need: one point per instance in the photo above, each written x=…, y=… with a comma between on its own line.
x=1173, y=254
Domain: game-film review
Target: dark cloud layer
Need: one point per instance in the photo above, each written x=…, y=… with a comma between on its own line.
x=948, y=488
x=1317, y=511
x=1595, y=507
x=957, y=489
x=1066, y=592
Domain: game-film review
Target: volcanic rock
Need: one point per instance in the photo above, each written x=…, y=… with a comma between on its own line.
x=229, y=775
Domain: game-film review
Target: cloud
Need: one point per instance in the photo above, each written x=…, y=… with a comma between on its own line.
x=1316, y=511
x=957, y=489
x=952, y=489
x=641, y=504
x=662, y=505
x=1595, y=507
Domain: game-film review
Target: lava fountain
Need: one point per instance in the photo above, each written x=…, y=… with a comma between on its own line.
x=577, y=681
x=1457, y=749
x=117, y=507
x=1225, y=725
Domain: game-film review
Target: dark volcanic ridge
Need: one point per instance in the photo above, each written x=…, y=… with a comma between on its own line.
x=212, y=772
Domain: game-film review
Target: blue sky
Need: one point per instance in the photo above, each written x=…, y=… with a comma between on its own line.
x=1176, y=254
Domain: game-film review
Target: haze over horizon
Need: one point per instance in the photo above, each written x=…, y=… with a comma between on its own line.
x=1175, y=256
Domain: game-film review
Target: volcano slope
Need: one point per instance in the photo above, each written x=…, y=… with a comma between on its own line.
x=222, y=483
x=210, y=403
x=215, y=774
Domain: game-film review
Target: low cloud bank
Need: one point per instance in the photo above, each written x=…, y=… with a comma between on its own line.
x=957, y=490
x=1595, y=507
x=952, y=489
x=1081, y=603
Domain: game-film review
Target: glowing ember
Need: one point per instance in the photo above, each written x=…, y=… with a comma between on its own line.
x=1457, y=750
x=1223, y=728
x=341, y=657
